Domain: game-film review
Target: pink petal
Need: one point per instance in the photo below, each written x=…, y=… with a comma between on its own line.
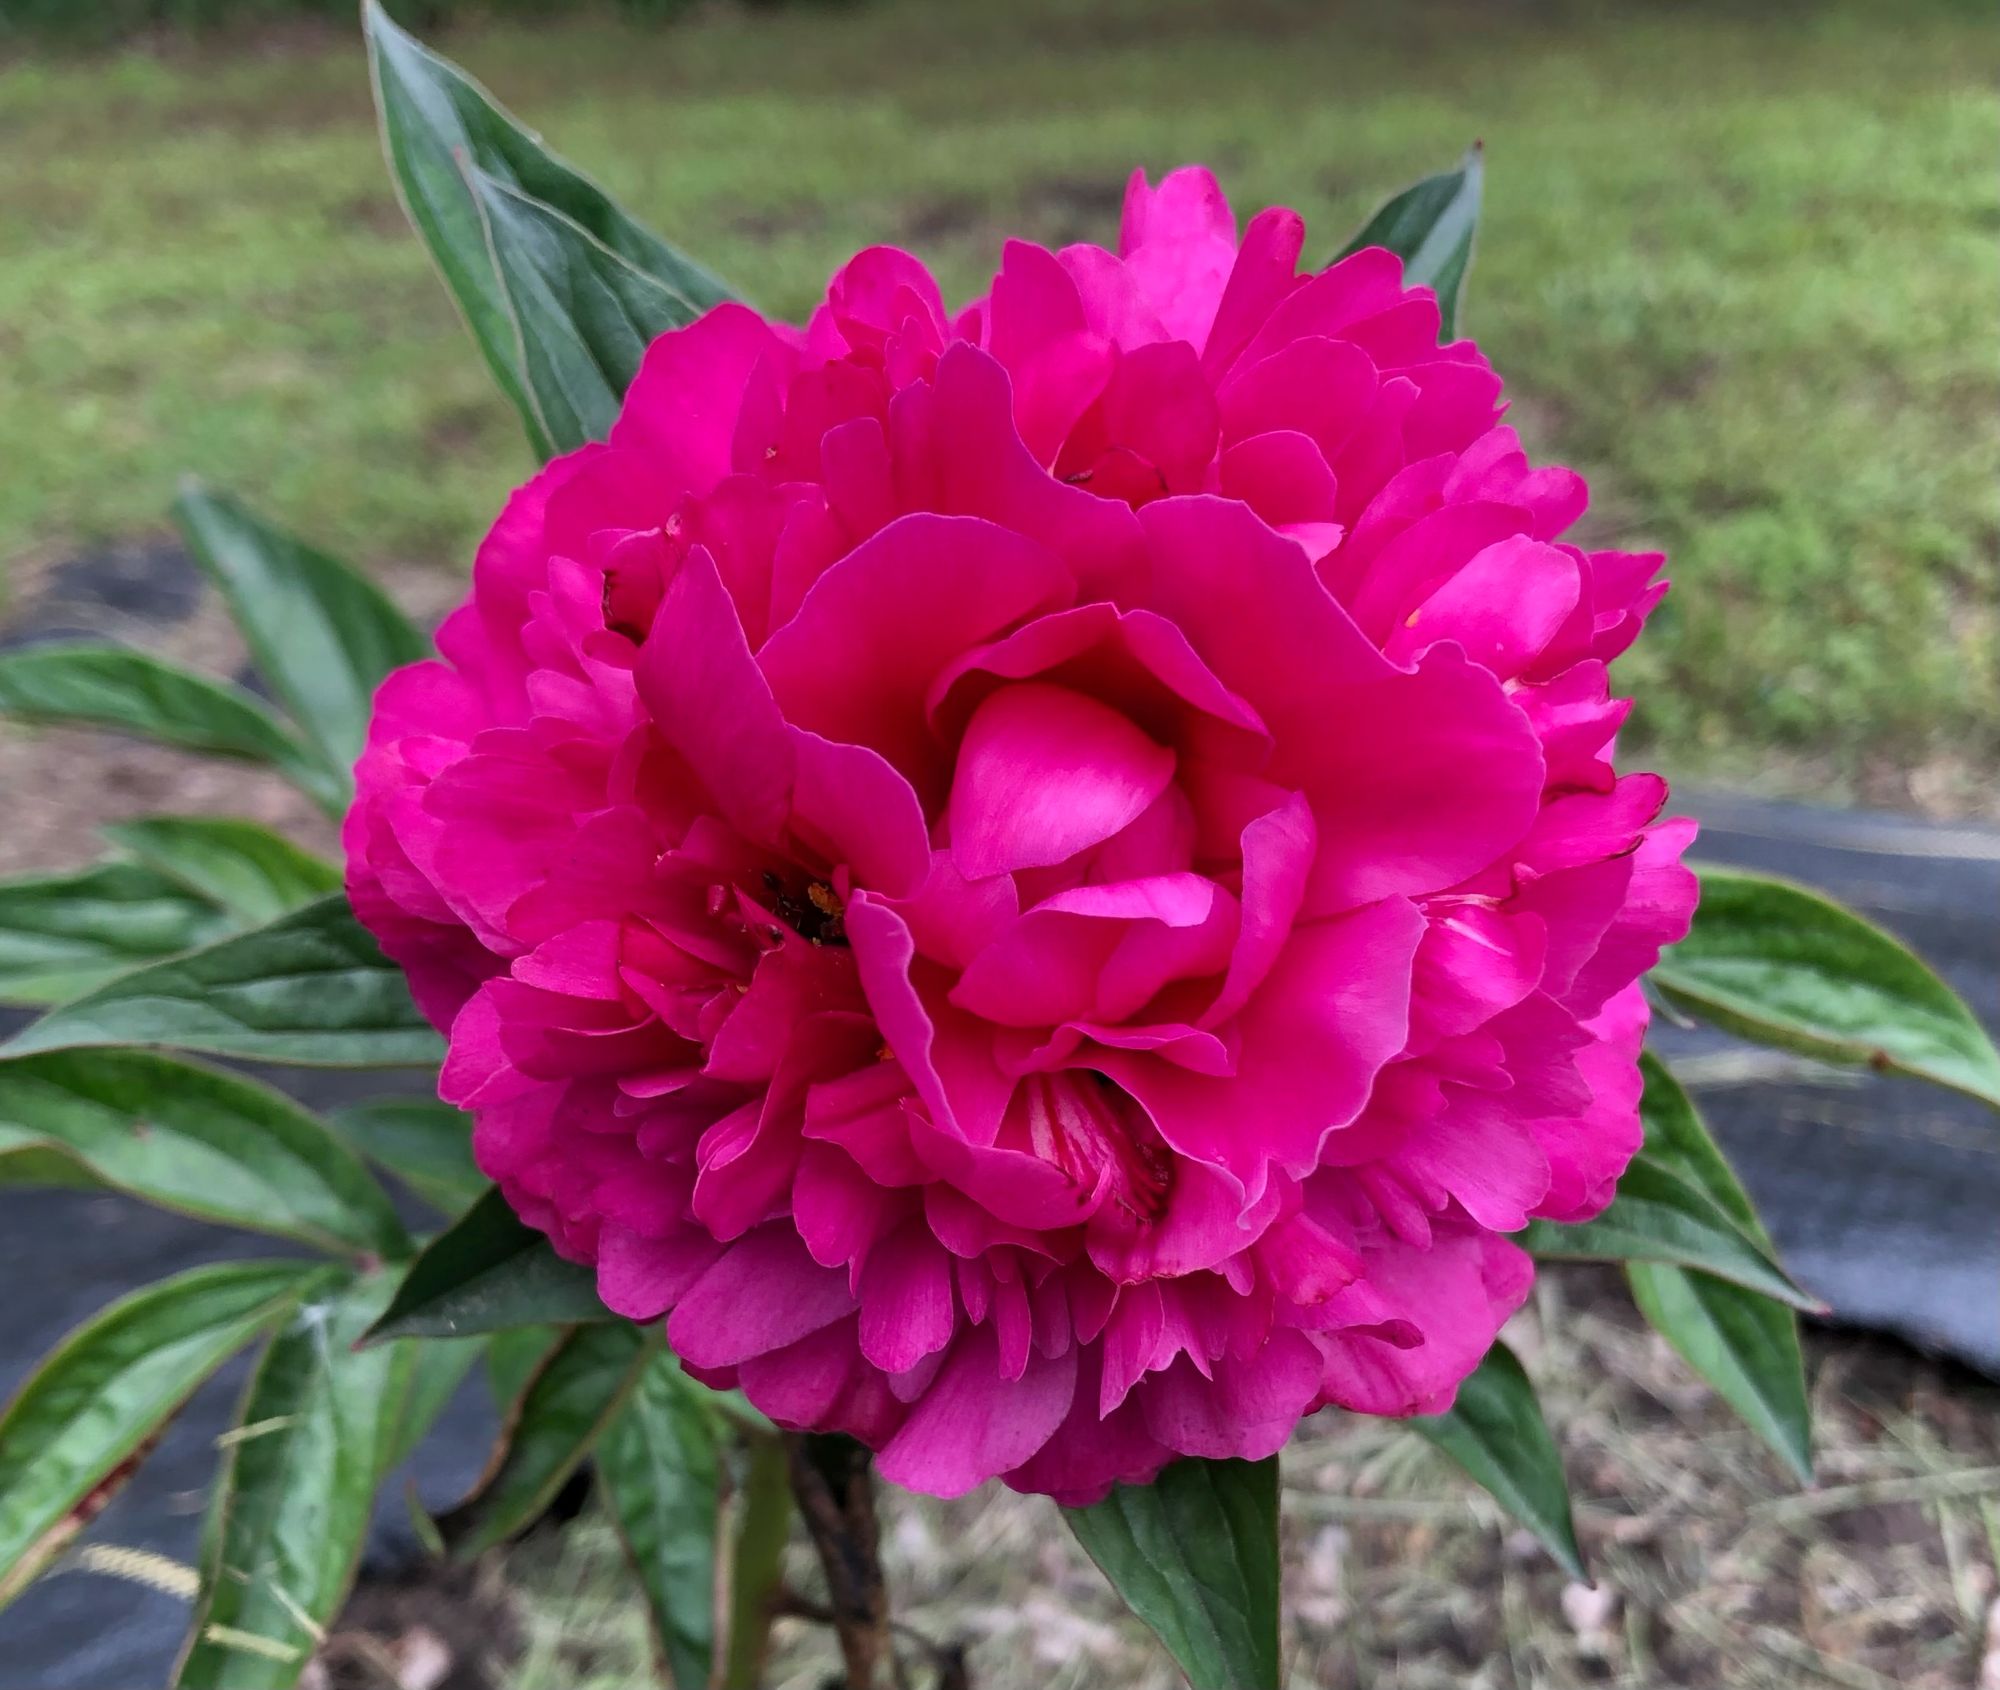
x=764, y=1293
x=856, y=810
x=712, y=705
x=1043, y=773
x=897, y=609
x=1179, y=242
x=1333, y=1010
x=641, y=1278
x=972, y=1424
x=1504, y=607
x=1248, y=1410
x=1445, y=779
x=907, y=1307
x=681, y=409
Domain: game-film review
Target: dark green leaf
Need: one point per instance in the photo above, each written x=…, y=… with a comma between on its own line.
x=433, y=117
x=1773, y=962
x=311, y=988
x=1661, y=1216
x=1430, y=225
x=583, y=315
x=253, y=873
x=424, y=1143
x=65, y=933
x=209, y=1144
x=485, y=1272
x=568, y=1402
x=662, y=1466
x=111, y=687
x=1195, y=1555
x=1495, y=1431
x=291, y=1508
x=99, y=1399
x=1741, y=1342
x=322, y=635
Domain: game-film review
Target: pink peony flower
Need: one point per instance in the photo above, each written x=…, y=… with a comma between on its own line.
x=1046, y=886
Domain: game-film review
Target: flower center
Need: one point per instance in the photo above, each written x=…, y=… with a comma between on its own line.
x=1095, y=1131
x=816, y=914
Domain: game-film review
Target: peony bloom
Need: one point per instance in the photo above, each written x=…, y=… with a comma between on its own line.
x=1047, y=885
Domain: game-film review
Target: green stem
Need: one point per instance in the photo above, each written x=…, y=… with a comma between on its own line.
x=757, y=1569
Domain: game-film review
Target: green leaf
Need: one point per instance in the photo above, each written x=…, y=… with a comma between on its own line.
x=515, y=1354
x=1741, y=1342
x=65, y=933
x=290, y=1511
x=109, y=686
x=567, y=1404
x=435, y=1376
x=311, y=988
x=84, y=1416
x=661, y=1464
x=1775, y=963
x=1430, y=225
x=1195, y=1555
x=1495, y=1431
x=1661, y=1216
x=322, y=634
x=207, y=1143
x=485, y=1272
x=424, y=1143
x=433, y=116
x=583, y=316
x=253, y=873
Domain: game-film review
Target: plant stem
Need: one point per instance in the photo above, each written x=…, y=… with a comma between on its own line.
x=764, y=1523
x=834, y=1484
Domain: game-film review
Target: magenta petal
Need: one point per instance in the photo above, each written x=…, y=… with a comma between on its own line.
x=1282, y=476
x=1044, y=772
x=907, y=1307
x=897, y=609
x=956, y=441
x=1247, y=1411
x=1264, y=273
x=803, y=1384
x=853, y=806
x=641, y=1278
x=1278, y=852
x=1458, y=1293
x=711, y=703
x=1179, y=243
x=764, y=1293
x=972, y=1424
x=838, y=1209
x=1333, y=1010
x=948, y=1056
x=681, y=409
x=1319, y=388
x=1481, y=1153
x=1446, y=776
x=1504, y=606
x=1257, y=614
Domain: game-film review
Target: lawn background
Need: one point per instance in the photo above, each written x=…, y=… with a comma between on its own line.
x=1741, y=269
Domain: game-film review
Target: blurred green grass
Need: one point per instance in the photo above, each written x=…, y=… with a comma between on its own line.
x=1741, y=269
